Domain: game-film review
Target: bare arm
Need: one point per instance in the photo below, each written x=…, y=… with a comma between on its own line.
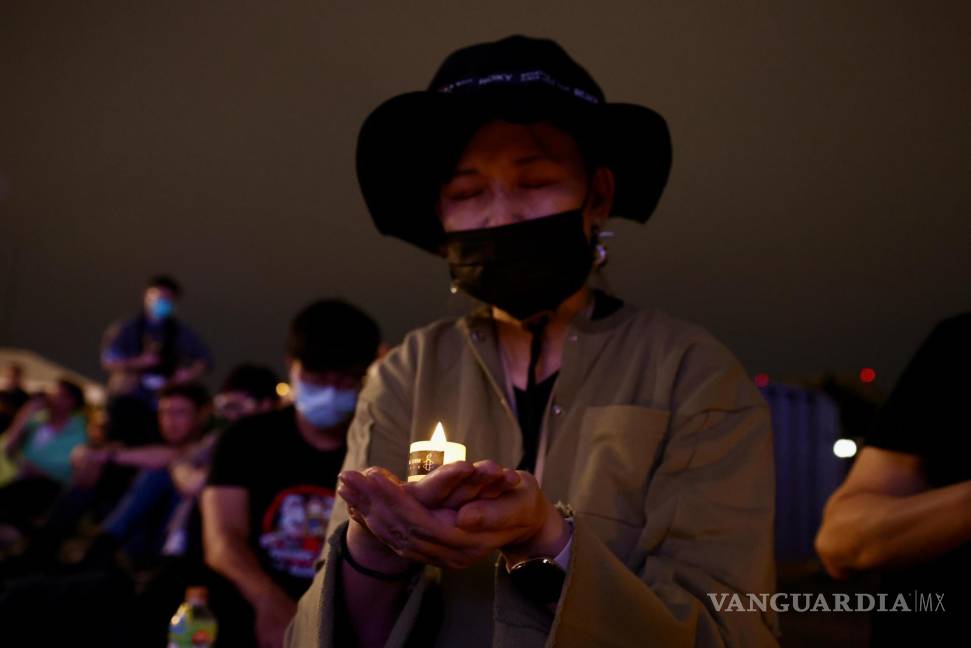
x=225, y=526
x=885, y=515
x=135, y=363
x=151, y=456
x=188, y=479
x=372, y=604
x=190, y=372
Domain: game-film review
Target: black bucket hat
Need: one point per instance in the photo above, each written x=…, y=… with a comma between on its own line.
x=409, y=145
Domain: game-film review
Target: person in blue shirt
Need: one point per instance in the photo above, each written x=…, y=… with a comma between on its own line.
x=153, y=349
x=39, y=441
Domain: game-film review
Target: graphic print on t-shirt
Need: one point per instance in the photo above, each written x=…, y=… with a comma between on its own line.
x=294, y=526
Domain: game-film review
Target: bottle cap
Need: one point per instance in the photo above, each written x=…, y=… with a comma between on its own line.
x=196, y=594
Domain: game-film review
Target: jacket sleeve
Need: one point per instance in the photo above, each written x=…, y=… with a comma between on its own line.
x=378, y=436
x=709, y=530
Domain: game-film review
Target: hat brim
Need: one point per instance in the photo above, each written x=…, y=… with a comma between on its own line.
x=408, y=144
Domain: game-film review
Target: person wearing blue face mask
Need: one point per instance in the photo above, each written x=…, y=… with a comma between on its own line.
x=323, y=406
x=272, y=482
x=154, y=348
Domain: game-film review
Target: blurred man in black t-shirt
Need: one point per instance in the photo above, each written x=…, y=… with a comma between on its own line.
x=905, y=508
x=272, y=481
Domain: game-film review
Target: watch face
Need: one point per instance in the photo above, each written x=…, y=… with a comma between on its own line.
x=540, y=579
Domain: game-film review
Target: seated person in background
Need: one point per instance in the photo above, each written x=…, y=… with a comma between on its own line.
x=154, y=348
x=903, y=509
x=40, y=440
x=248, y=390
x=139, y=520
x=271, y=488
x=12, y=395
x=95, y=488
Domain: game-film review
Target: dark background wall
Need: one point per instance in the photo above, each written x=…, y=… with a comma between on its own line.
x=817, y=216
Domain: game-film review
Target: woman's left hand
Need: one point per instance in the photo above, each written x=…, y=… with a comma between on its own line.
x=523, y=518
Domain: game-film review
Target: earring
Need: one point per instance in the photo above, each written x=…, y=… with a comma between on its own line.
x=453, y=288
x=600, y=249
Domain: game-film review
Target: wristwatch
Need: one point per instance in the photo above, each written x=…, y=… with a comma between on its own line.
x=540, y=579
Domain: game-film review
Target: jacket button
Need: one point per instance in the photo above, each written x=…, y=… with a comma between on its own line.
x=557, y=410
x=477, y=335
x=573, y=337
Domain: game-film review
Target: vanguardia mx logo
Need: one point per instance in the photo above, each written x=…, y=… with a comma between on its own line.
x=839, y=602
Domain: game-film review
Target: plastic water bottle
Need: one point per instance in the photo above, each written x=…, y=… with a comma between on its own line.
x=193, y=624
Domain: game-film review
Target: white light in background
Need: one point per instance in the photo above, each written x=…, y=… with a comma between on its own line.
x=844, y=448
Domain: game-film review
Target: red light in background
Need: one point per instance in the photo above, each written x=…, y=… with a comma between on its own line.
x=761, y=380
x=867, y=375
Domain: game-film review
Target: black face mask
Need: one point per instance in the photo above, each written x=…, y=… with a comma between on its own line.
x=525, y=268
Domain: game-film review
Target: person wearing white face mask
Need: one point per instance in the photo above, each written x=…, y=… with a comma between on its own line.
x=273, y=477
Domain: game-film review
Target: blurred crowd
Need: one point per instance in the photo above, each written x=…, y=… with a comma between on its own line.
x=108, y=513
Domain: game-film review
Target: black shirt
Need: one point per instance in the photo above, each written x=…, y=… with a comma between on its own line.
x=291, y=492
x=535, y=400
x=926, y=416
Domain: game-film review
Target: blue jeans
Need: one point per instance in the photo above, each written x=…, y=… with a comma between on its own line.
x=139, y=520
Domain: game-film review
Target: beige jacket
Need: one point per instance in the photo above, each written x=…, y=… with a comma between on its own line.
x=656, y=438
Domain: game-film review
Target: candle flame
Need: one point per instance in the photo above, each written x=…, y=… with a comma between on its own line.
x=439, y=435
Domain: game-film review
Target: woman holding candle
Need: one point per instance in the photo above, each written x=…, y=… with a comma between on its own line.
x=619, y=461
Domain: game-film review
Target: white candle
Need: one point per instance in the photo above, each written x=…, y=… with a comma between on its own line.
x=426, y=456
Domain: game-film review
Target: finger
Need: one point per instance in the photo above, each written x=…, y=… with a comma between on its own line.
x=513, y=509
x=405, y=517
x=356, y=496
x=403, y=520
x=357, y=488
x=510, y=480
x=415, y=548
x=357, y=517
x=486, y=474
x=352, y=478
x=434, y=488
x=378, y=471
x=418, y=534
x=428, y=551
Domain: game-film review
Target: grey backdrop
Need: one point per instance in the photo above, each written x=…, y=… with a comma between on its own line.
x=817, y=216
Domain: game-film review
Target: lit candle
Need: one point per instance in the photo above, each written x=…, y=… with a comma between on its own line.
x=426, y=456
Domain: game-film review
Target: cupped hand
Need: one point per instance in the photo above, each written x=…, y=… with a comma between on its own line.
x=455, y=484
x=521, y=519
x=499, y=509
x=404, y=527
